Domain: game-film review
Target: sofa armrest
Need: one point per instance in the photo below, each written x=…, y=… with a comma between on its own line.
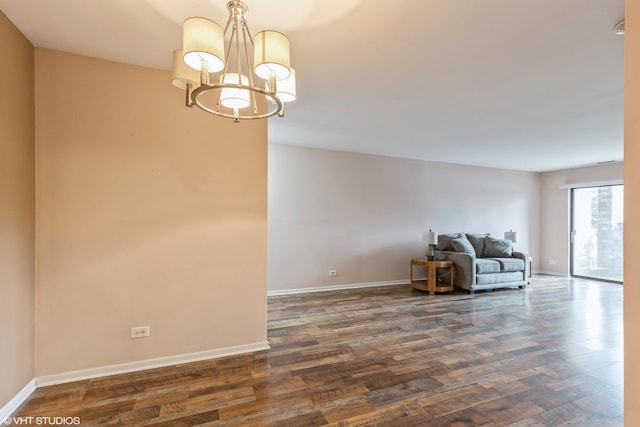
x=464, y=267
x=524, y=257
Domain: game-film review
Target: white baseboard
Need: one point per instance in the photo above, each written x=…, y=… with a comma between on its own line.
x=336, y=287
x=550, y=273
x=18, y=399
x=141, y=365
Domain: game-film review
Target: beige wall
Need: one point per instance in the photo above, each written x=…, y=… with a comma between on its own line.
x=556, y=211
x=632, y=214
x=17, y=211
x=148, y=213
x=364, y=215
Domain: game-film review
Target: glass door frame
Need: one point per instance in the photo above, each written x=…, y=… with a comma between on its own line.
x=572, y=232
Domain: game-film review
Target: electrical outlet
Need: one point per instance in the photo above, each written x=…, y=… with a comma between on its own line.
x=140, y=331
x=552, y=261
x=333, y=272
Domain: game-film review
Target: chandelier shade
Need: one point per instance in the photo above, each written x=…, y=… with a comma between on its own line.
x=271, y=54
x=231, y=97
x=237, y=92
x=203, y=44
x=286, y=89
x=181, y=73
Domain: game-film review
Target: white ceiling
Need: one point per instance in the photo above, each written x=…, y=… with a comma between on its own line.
x=529, y=85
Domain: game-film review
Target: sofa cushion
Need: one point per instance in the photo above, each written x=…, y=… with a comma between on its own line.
x=506, y=277
x=486, y=265
x=510, y=264
x=462, y=244
x=497, y=248
x=444, y=241
x=477, y=241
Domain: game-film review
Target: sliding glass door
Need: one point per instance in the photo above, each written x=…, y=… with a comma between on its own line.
x=596, y=232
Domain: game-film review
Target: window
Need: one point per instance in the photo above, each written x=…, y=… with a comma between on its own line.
x=596, y=232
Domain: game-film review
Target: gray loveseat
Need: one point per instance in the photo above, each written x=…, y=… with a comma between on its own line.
x=483, y=262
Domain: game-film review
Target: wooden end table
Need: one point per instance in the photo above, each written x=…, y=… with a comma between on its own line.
x=431, y=284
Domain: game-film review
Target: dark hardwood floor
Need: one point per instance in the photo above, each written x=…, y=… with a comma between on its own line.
x=549, y=355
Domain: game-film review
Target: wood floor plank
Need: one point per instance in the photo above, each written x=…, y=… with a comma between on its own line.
x=388, y=356
x=408, y=414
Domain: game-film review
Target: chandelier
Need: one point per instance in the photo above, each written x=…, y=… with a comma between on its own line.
x=226, y=80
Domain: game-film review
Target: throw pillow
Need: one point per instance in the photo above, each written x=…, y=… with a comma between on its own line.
x=444, y=241
x=462, y=244
x=477, y=241
x=497, y=248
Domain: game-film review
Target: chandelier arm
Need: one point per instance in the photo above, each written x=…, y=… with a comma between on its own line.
x=226, y=62
x=187, y=100
x=279, y=105
x=245, y=33
x=228, y=54
x=246, y=26
x=252, y=94
x=224, y=33
x=228, y=51
x=238, y=57
x=246, y=55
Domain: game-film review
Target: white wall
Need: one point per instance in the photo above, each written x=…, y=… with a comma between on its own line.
x=364, y=215
x=555, y=211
